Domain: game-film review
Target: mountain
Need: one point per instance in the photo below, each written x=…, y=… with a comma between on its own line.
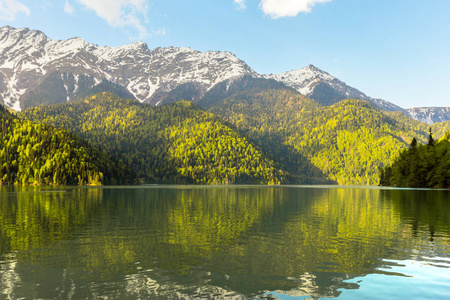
x=326, y=89
x=35, y=70
x=348, y=141
x=430, y=115
x=39, y=154
x=33, y=67
x=173, y=143
x=270, y=135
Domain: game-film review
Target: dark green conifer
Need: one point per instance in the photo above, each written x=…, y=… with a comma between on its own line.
x=421, y=165
x=430, y=139
x=413, y=144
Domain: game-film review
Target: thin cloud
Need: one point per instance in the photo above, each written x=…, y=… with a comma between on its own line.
x=159, y=32
x=287, y=8
x=240, y=4
x=121, y=13
x=68, y=8
x=10, y=8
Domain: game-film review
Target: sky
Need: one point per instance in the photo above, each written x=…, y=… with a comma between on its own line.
x=397, y=50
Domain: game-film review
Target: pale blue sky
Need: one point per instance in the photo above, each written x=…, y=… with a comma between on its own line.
x=398, y=50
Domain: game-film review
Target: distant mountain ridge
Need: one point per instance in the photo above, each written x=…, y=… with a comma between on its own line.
x=326, y=89
x=36, y=70
x=430, y=115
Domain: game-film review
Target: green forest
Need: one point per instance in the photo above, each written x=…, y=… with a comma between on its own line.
x=175, y=143
x=254, y=131
x=421, y=165
x=37, y=154
x=347, y=142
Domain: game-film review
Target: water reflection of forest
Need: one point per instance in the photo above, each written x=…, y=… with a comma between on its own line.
x=241, y=241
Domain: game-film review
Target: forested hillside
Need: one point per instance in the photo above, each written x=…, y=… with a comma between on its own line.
x=40, y=154
x=440, y=129
x=276, y=136
x=174, y=143
x=421, y=165
x=348, y=141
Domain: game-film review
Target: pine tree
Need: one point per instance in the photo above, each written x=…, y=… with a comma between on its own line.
x=430, y=139
x=413, y=144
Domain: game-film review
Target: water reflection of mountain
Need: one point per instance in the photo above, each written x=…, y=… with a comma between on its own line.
x=32, y=217
x=189, y=242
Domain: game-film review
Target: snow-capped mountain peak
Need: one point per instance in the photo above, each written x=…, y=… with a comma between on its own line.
x=303, y=80
x=325, y=88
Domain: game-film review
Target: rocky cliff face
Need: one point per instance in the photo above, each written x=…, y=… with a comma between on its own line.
x=430, y=115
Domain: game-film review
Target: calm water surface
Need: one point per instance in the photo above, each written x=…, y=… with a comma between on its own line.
x=224, y=243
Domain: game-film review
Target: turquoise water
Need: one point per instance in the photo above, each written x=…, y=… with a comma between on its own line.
x=224, y=243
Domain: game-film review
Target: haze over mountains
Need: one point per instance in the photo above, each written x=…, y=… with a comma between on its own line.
x=35, y=70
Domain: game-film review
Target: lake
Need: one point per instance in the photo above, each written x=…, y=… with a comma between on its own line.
x=235, y=242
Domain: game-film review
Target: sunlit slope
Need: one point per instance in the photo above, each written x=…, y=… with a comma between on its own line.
x=40, y=154
x=175, y=143
x=348, y=141
x=439, y=129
